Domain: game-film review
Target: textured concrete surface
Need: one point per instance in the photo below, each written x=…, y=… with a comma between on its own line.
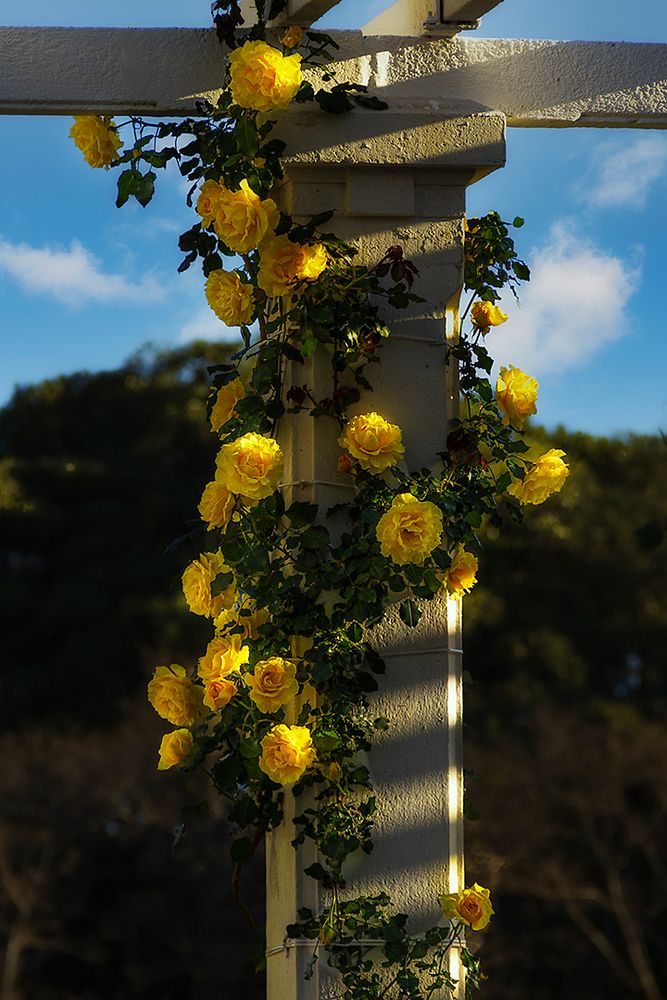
x=416, y=766
x=162, y=71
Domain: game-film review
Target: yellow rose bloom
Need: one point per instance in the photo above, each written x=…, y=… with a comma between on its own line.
x=97, y=138
x=287, y=751
x=292, y=37
x=373, y=441
x=471, y=906
x=282, y=262
x=243, y=219
x=207, y=202
x=246, y=615
x=174, y=697
x=226, y=399
x=461, y=577
x=262, y=78
x=516, y=395
x=197, y=580
x=546, y=476
x=216, y=506
x=224, y=655
x=485, y=315
x=218, y=694
x=230, y=298
x=410, y=529
x=175, y=748
x=251, y=466
x=272, y=683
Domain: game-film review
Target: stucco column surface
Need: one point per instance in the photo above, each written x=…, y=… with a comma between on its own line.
x=415, y=766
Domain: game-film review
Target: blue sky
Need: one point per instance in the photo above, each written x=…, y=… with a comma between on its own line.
x=82, y=285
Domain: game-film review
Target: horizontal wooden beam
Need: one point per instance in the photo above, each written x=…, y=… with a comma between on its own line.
x=163, y=71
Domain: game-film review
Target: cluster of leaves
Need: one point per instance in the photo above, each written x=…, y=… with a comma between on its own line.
x=376, y=956
x=321, y=575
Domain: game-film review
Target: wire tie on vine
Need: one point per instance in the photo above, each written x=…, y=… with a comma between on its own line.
x=314, y=943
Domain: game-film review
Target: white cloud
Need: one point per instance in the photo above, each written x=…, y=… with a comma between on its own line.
x=574, y=305
x=624, y=179
x=72, y=276
x=205, y=325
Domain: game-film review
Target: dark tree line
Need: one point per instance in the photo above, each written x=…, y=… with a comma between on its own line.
x=109, y=891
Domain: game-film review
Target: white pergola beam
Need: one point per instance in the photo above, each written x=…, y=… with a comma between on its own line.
x=467, y=10
x=163, y=71
x=416, y=18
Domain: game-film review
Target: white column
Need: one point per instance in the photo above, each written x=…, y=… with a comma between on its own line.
x=416, y=765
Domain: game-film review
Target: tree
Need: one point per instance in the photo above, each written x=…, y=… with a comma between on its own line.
x=566, y=732
x=99, y=474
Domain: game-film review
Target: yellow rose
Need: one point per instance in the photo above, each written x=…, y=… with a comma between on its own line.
x=272, y=683
x=287, y=751
x=546, y=476
x=218, y=694
x=251, y=466
x=207, y=202
x=410, y=529
x=175, y=748
x=461, y=577
x=245, y=615
x=216, y=506
x=373, y=441
x=243, y=219
x=485, y=315
x=516, y=395
x=282, y=262
x=224, y=655
x=230, y=298
x=197, y=580
x=226, y=399
x=174, y=697
x=262, y=78
x=471, y=906
x=292, y=37
x=97, y=138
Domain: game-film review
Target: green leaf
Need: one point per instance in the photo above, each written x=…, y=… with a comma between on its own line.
x=144, y=188
x=305, y=93
x=503, y=482
x=334, y=103
x=126, y=186
x=355, y=632
x=316, y=871
x=301, y=513
x=249, y=748
x=518, y=222
x=410, y=613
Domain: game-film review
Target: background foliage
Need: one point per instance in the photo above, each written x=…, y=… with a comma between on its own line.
x=565, y=711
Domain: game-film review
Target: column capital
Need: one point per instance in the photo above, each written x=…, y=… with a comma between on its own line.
x=415, y=136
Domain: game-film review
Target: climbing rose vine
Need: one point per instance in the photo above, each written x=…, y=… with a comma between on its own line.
x=279, y=701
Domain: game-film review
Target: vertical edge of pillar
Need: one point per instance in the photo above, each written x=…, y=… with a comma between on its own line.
x=455, y=788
